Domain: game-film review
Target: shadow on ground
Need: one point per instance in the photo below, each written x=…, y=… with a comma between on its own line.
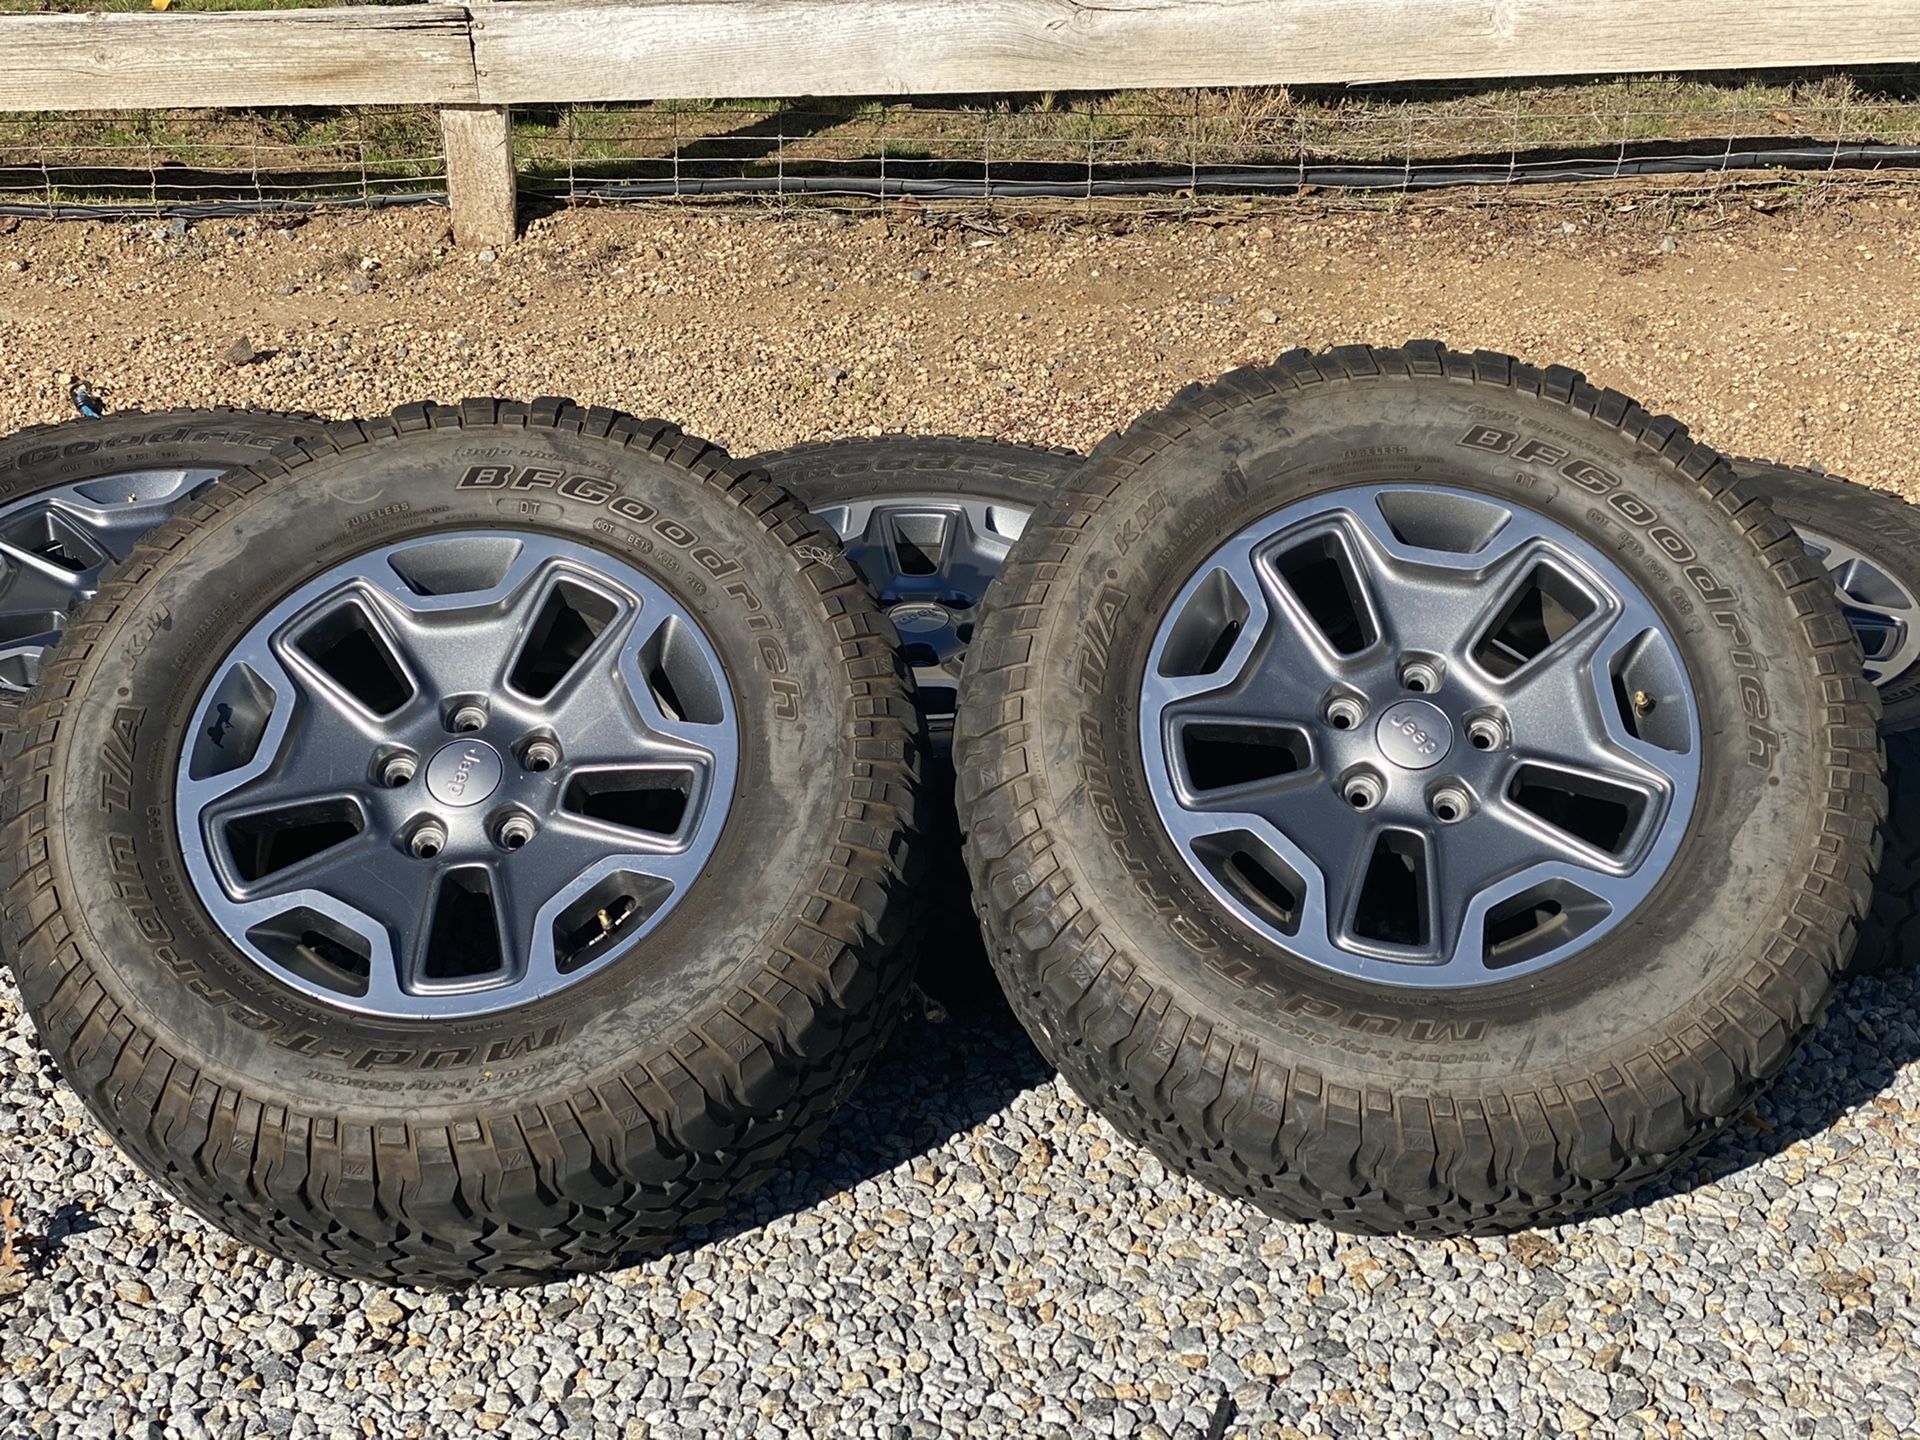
x=1853, y=1056
x=957, y=1059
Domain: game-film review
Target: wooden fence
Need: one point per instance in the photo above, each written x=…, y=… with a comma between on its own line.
x=475, y=60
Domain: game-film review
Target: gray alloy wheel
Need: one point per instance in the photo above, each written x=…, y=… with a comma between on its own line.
x=1451, y=730
x=1868, y=541
x=929, y=560
x=75, y=497
x=489, y=829
x=927, y=520
x=1880, y=606
x=1416, y=790
x=55, y=545
x=491, y=733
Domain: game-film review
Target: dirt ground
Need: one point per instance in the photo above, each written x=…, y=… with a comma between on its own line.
x=1792, y=333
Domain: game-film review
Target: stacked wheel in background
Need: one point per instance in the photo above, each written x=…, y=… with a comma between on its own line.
x=928, y=522
x=75, y=498
x=1869, y=543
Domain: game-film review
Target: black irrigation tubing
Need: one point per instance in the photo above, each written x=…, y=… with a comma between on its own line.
x=1338, y=176
x=212, y=209
x=1290, y=177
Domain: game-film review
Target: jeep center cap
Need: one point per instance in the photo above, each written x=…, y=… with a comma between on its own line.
x=920, y=617
x=464, y=773
x=1412, y=734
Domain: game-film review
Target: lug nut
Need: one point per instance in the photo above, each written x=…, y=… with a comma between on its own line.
x=428, y=841
x=1486, y=733
x=515, y=831
x=540, y=755
x=1449, y=804
x=1344, y=712
x=1420, y=677
x=1362, y=791
x=467, y=717
x=396, y=771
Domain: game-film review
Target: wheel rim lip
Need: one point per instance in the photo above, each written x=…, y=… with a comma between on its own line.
x=998, y=522
x=89, y=505
x=234, y=917
x=1320, y=948
x=1833, y=555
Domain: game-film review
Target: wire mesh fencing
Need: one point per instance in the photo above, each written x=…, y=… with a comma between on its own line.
x=218, y=162
x=1485, y=142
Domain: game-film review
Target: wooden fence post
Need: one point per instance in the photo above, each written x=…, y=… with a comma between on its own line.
x=480, y=174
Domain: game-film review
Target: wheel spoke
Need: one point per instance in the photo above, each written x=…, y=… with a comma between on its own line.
x=567, y=628
x=364, y=872
x=462, y=937
x=580, y=893
x=1571, y=700
x=20, y=657
x=350, y=657
x=36, y=584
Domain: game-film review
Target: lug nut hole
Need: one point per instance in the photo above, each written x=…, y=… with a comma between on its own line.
x=1420, y=677
x=1485, y=734
x=1363, y=792
x=467, y=718
x=1344, y=714
x=514, y=831
x=1450, y=806
x=396, y=771
x=540, y=755
x=428, y=841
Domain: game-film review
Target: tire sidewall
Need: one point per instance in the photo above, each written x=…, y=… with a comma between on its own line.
x=113, y=775
x=837, y=471
x=78, y=450
x=1752, y=837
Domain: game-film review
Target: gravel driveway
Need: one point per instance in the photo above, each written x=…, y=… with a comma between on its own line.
x=970, y=1251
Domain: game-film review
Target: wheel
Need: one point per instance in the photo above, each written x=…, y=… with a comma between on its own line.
x=928, y=521
x=423, y=765
x=1416, y=791
x=74, y=497
x=1869, y=542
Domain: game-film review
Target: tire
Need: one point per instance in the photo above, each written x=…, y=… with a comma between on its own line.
x=832, y=478
x=38, y=465
x=1869, y=541
x=1890, y=935
x=1388, y=1103
x=582, y=1124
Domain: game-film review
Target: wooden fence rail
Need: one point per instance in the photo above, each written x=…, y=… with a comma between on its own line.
x=485, y=54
